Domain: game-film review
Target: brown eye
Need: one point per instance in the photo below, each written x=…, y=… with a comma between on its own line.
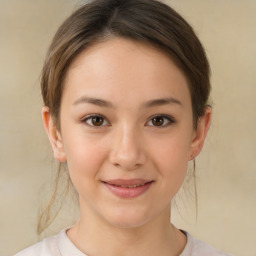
x=95, y=121
x=158, y=121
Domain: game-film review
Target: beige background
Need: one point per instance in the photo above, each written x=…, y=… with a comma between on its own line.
x=226, y=169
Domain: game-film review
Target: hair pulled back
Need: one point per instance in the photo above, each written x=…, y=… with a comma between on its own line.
x=146, y=21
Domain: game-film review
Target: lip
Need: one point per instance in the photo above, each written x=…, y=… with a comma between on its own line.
x=128, y=188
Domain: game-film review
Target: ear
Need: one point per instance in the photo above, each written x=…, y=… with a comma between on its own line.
x=200, y=133
x=53, y=135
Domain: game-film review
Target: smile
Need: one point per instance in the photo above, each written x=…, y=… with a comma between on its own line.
x=128, y=188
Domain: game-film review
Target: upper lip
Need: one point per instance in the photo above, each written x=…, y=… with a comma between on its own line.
x=127, y=182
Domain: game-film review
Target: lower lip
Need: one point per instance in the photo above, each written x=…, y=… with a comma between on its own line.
x=128, y=192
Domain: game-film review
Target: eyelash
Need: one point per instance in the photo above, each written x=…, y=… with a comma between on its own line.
x=90, y=117
x=169, y=119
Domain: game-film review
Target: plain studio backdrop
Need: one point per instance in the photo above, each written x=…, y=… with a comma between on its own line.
x=226, y=169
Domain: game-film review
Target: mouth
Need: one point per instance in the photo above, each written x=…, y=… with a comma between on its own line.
x=128, y=188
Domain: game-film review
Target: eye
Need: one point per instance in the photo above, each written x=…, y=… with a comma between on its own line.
x=95, y=120
x=160, y=121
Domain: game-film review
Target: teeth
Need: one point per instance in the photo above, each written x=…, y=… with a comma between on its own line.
x=131, y=186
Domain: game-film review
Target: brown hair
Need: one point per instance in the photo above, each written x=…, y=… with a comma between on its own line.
x=146, y=21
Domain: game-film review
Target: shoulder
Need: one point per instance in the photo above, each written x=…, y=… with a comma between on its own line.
x=196, y=247
x=58, y=245
x=47, y=247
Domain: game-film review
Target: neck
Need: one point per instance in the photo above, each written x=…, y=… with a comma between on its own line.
x=157, y=237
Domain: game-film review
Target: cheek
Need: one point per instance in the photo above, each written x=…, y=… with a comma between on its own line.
x=173, y=151
x=84, y=156
x=171, y=159
x=173, y=165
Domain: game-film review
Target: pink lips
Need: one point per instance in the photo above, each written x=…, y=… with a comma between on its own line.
x=128, y=188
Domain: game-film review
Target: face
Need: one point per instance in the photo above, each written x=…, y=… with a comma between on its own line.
x=126, y=131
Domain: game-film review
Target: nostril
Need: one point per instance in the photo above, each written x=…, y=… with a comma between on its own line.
x=127, y=153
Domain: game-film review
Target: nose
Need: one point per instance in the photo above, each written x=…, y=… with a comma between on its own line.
x=127, y=151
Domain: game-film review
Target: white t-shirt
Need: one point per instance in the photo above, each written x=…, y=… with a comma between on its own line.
x=61, y=245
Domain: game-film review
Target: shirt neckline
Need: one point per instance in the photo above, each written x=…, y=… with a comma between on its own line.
x=67, y=247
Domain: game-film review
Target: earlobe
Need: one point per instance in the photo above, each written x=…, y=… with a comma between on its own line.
x=200, y=133
x=53, y=135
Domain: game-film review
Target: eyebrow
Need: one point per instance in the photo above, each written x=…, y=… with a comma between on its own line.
x=98, y=102
x=148, y=104
x=161, y=102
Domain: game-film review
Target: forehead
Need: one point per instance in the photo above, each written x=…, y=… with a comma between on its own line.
x=119, y=67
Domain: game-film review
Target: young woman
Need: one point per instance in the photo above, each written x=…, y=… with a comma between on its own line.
x=125, y=87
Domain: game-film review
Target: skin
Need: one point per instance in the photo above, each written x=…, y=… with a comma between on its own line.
x=128, y=145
